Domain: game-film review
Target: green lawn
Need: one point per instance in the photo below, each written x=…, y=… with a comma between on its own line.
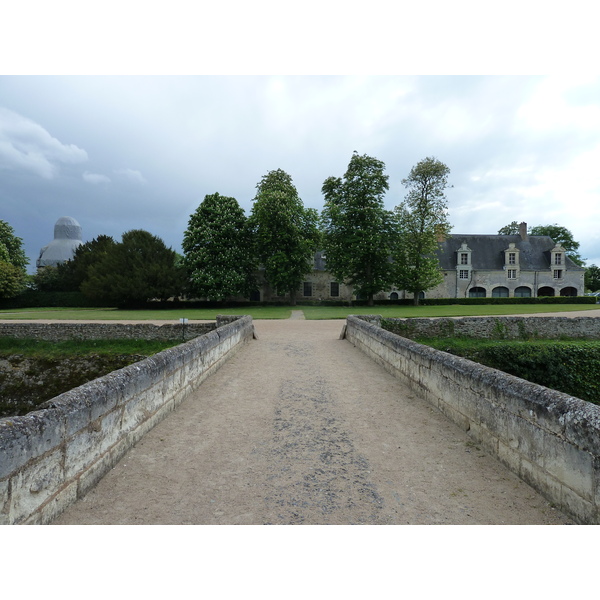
x=284, y=312
x=108, y=314
x=317, y=312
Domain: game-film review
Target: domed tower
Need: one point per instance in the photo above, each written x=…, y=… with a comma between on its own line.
x=67, y=238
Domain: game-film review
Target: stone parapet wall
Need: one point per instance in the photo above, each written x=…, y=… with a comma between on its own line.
x=51, y=457
x=512, y=328
x=549, y=439
x=56, y=332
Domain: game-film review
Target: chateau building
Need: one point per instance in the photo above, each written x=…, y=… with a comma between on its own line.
x=496, y=266
x=506, y=266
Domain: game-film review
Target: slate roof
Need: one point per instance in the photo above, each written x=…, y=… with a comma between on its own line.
x=488, y=252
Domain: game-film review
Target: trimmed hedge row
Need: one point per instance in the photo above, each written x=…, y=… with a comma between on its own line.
x=33, y=299
x=447, y=301
x=569, y=367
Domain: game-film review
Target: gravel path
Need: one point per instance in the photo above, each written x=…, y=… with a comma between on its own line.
x=300, y=427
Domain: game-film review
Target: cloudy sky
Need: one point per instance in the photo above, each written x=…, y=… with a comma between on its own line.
x=126, y=152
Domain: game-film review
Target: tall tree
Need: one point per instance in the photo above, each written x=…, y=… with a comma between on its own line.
x=358, y=231
x=138, y=269
x=13, y=262
x=285, y=233
x=422, y=219
x=511, y=229
x=217, y=252
x=559, y=234
x=592, y=278
x=70, y=275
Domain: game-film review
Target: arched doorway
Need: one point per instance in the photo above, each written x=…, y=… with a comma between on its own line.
x=500, y=292
x=522, y=292
x=394, y=296
x=477, y=292
x=568, y=291
x=546, y=291
x=255, y=296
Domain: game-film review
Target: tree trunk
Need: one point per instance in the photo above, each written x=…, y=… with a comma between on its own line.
x=416, y=299
x=370, y=302
x=293, y=297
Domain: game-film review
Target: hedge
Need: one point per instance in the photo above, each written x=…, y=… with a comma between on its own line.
x=567, y=366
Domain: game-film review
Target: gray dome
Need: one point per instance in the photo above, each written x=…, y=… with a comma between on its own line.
x=67, y=228
x=67, y=238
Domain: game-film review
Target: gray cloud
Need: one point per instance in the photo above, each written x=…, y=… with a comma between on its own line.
x=519, y=148
x=132, y=175
x=95, y=178
x=26, y=145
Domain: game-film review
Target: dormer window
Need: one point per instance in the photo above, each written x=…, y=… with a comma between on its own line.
x=558, y=259
x=463, y=262
x=511, y=256
x=463, y=256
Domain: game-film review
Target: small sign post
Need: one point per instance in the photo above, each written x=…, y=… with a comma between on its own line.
x=183, y=323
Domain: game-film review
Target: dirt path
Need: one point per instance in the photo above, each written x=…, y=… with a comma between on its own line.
x=300, y=427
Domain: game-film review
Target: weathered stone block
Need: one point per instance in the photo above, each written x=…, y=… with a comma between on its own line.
x=581, y=510
x=55, y=506
x=31, y=487
x=570, y=465
x=84, y=448
x=4, y=502
x=25, y=438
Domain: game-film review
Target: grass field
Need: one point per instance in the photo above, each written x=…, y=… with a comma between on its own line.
x=284, y=312
x=46, y=349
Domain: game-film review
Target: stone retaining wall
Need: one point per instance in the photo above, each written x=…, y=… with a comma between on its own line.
x=549, y=439
x=497, y=327
x=51, y=457
x=56, y=332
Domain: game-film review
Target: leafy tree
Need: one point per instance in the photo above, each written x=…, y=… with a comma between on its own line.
x=285, y=233
x=560, y=235
x=592, y=278
x=13, y=262
x=511, y=229
x=358, y=233
x=12, y=280
x=217, y=249
x=75, y=271
x=138, y=269
x=47, y=279
x=69, y=276
x=422, y=218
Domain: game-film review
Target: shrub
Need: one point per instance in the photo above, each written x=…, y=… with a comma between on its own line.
x=572, y=367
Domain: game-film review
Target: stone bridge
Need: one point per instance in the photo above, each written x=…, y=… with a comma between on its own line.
x=300, y=426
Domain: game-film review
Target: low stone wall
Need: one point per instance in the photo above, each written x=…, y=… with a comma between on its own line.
x=549, y=439
x=510, y=328
x=56, y=332
x=51, y=457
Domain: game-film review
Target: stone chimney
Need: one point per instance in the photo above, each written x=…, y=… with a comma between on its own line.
x=523, y=231
x=440, y=233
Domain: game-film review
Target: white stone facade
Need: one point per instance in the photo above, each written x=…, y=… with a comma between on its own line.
x=473, y=266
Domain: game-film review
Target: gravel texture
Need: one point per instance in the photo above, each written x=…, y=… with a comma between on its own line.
x=300, y=427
